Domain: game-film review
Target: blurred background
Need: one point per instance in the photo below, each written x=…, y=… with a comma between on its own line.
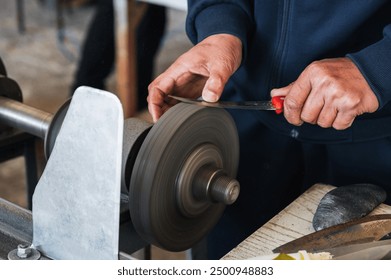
x=44, y=66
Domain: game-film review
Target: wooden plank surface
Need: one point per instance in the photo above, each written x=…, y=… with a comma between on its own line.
x=291, y=223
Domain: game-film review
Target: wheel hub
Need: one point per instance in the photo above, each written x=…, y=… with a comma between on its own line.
x=183, y=176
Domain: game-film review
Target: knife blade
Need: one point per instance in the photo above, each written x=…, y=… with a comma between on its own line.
x=276, y=103
x=375, y=250
x=366, y=229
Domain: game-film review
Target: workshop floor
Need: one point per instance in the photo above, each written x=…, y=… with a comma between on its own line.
x=44, y=73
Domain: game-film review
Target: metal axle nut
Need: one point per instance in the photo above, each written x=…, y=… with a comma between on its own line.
x=214, y=185
x=23, y=251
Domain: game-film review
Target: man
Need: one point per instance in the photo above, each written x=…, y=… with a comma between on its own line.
x=332, y=62
x=98, y=52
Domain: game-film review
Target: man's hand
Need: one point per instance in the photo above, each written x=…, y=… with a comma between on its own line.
x=204, y=69
x=330, y=93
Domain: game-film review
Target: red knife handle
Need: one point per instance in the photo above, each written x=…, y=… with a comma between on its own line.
x=278, y=103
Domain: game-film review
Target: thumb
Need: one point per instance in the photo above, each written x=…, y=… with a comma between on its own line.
x=213, y=88
x=281, y=91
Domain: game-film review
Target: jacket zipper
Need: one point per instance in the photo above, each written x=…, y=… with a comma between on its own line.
x=278, y=54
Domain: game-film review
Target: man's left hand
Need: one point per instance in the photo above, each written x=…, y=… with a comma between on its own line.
x=330, y=93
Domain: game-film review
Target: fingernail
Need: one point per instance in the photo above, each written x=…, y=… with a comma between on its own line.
x=210, y=96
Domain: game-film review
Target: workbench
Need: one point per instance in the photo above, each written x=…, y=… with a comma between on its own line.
x=291, y=223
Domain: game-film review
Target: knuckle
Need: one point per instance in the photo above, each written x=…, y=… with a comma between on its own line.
x=308, y=117
x=217, y=80
x=294, y=122
x=341, y=124
x=151, y=86
x=224, y=67
x=350, y=102
x=327, y=117
x=315, y=68
x=324, y=123
x=292, y=118
x=155, y=84
x=292, y=104
x=322, y=74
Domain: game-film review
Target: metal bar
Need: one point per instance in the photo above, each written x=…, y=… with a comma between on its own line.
x=24, y=117
x=15, y=228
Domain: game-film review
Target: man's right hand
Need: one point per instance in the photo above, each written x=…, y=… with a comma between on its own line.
x=203, y=70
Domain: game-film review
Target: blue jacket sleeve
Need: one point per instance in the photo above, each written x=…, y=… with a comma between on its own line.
x=209, y=17
x=374, y=63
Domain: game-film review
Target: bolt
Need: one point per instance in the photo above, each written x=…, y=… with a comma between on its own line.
x=212, y=184
x=225, y=189
x=24, y=251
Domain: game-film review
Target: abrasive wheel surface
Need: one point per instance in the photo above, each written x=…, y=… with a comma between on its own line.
x=55, y=127
x=153, y=192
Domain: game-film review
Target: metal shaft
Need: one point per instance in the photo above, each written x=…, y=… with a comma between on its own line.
x=24, y=117
x=213, y=184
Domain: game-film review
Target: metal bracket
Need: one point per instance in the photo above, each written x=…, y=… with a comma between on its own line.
x=77, y=200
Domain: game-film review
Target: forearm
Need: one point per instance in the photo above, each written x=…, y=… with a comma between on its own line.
x=374, y=63
x=208, y=17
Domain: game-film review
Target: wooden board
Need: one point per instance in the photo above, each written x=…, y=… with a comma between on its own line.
x=291, y=223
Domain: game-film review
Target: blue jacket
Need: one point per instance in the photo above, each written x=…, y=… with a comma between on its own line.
x=282, y=37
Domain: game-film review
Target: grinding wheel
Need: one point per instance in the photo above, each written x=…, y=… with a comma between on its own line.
x=55, y=127
x=135, y=131
x=182, y=176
